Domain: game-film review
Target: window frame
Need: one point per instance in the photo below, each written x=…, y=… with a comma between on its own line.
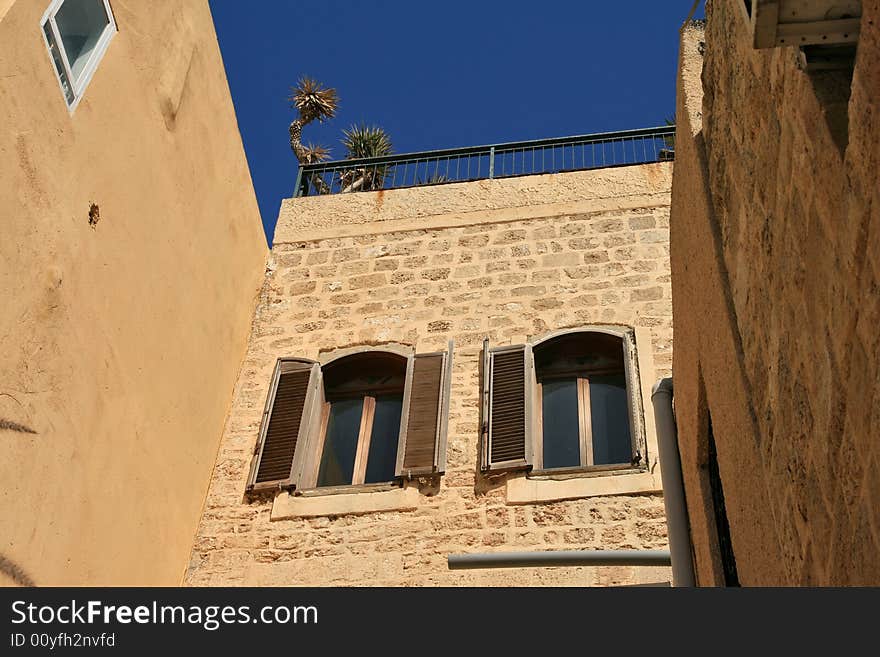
x=531, y=459
x=429, y=441
x=314, y=449
x=585, y=427
x=634, y=407
x=77, y=86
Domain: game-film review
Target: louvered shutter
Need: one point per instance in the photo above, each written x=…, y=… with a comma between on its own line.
x=507, y=413
x=422, y=448
x=285, y=424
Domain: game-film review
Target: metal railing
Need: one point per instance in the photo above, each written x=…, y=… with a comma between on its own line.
x=522, y=158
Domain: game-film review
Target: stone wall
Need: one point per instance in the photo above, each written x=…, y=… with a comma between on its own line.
x=775, y=239
x=472, y=270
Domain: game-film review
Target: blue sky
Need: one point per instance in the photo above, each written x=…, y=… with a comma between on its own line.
x=441, y=75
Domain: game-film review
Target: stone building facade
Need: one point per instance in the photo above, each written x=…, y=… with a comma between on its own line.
x=775, y=243
x=509, y=260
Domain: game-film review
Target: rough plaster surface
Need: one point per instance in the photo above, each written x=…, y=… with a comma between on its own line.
x=119, y=343
x=5, y=6
x=503, y=279
x=314, y=217
x=775, y=239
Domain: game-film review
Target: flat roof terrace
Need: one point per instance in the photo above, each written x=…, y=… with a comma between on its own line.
x=505, y=160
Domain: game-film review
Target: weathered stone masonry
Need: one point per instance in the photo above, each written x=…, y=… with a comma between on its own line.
x=463, y=277
x=776, y=261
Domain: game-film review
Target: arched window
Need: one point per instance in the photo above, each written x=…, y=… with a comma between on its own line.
x=581, y=404
x=361, y=419
x=368, y=417
x=566, y=402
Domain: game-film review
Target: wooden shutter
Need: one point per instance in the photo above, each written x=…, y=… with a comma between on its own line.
x=285, y=422
x=310, y=446
x=507, y=412
x=634, y=396
x=422, y=448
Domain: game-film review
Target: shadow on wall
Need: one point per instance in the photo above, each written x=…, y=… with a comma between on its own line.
x=9, y=568
x=9, y=425
x=833, y=89
x=14, y=572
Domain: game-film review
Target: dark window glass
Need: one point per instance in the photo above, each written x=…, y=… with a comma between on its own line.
x=382, y=457
x=561, y=421
x=348, y=383
x=612, y=442
x=597, y=362
x=340, y=444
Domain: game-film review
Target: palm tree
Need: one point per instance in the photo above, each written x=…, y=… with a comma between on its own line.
x=313, y=102
x=363, y=141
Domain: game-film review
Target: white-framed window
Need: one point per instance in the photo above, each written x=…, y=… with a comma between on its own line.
x=77, y=33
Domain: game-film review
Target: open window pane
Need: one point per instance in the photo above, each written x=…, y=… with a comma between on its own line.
x=382, y=457
x=561, y=423
x=81, y=24
x=59, y=66
x=340, y=444
x=612, y=443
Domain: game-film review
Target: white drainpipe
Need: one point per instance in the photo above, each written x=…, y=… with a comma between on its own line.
x=673, y=485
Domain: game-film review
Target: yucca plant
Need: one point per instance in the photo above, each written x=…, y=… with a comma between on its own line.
x=315, y=102
x=312, y=101
x=667, y=153
x=314, y=153
x=362, y=141
x=434, y=179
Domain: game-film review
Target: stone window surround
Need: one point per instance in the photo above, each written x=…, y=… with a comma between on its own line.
x=427, y=479
x=521, y=488
x=533, y=487
x=627, y=337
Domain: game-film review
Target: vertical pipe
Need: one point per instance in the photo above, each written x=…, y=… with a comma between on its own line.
x=492, y=162
x=484, y=407
x=673, y=485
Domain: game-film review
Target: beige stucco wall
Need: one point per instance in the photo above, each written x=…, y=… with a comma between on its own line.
x=420, y=266
x=775, y=237
x=5, y=6
x=119, y=344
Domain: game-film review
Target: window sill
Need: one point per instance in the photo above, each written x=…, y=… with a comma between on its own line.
x=346, y=490
x=589, y=471
x=289, y=506
x=546, y=488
